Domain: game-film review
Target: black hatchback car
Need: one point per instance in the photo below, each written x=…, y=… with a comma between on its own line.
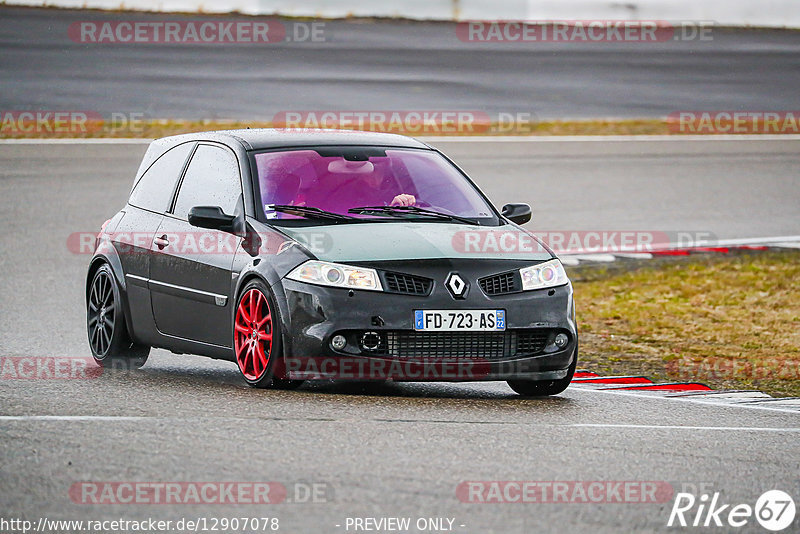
x=327, y=255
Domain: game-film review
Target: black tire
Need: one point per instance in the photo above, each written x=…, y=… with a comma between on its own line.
x=250, y=341
x=109, y=340
x=544, y=388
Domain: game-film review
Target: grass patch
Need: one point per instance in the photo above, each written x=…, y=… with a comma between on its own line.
x=730, y=321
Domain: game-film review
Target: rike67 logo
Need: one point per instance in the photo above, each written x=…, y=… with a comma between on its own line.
x=774, y=510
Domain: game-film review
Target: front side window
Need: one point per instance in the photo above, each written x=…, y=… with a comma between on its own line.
x=154, y=189
x=337, y=183
x=212, y=179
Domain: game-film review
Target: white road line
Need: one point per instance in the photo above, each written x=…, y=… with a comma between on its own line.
x=603, y=138
x=78, y=141
x=783, y=240
x=598, y=257
x=76, y=418
x=679, y=427
x=574, y=258
x=634, y=255
x=755, y=240
x=460, y=139
x=692, y=400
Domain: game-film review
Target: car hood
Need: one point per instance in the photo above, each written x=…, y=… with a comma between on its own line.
x=387, y=241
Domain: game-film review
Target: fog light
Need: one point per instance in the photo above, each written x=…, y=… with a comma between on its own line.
x=370, y=341
x=338, y=342
x=561, y=341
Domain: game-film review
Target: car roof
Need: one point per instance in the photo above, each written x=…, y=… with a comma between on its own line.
x=266, y=138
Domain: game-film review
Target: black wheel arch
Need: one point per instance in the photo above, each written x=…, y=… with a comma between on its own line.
x=278, y=297
x=115, y=265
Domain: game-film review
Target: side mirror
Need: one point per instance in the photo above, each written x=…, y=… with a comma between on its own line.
x=211, y=217
x=518, y=213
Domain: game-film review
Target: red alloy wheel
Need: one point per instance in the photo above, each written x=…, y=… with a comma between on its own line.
x=253, y=334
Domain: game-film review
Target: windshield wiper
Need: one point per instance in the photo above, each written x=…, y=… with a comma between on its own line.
x=399, y=211
x=309, y=212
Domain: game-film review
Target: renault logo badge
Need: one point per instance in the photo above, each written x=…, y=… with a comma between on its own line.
x=456, y=286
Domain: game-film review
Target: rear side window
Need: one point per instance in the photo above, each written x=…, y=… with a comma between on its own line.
x=154, y=190
x=212, y=179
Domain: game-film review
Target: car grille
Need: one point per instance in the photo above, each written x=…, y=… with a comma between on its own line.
x=407, y=284
x=459, y=345
x=499, y=284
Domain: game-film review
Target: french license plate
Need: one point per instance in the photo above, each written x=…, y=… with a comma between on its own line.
x=460, y=320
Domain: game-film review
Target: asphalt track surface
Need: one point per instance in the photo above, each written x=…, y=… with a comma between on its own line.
x=388, y=450
x=388, y=66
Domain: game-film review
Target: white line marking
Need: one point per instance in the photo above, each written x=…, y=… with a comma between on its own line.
x=603, y=138
x=74, y=418
x=77, y=141
x=679, y=427
x=594, y=256
x=634, y=255
x=692, y=400
x=787, y=241
x=723, y=395
x=757, y=240
x=460, y=139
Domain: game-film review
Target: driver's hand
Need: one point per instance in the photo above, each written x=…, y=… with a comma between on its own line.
x=403, y=200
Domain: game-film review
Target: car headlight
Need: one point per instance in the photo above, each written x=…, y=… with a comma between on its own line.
x=548, y=274
x=337, y=275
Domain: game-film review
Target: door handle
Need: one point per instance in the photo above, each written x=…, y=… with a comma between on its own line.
x=161, y=242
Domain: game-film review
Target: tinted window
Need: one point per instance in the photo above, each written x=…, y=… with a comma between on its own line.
x=212, y=179
x=336, y=183
x=154, y=190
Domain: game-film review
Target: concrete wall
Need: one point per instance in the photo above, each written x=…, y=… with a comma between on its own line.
x=770, y=13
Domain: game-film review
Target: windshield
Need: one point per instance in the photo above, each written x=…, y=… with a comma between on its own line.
x=338, y=179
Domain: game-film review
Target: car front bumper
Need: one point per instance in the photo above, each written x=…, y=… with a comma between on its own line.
x=316, y=314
